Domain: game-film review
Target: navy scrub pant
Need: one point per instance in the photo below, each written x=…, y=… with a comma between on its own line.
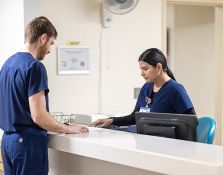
x=25, y=153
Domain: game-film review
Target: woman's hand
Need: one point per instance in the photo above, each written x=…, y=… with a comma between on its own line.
x=101, y=123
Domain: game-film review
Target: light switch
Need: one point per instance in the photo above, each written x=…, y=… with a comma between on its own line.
x=136, y=92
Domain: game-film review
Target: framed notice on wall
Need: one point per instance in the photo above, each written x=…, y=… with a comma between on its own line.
x=73, y=60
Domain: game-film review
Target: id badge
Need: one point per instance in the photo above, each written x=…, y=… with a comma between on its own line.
x=144, y=109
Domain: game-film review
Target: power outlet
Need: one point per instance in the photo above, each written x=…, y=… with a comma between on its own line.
x=136, y=92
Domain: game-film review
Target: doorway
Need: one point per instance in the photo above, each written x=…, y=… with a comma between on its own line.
x=194, y=55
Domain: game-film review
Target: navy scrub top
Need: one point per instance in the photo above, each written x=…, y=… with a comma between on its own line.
x=171, y=98
x=21, y=76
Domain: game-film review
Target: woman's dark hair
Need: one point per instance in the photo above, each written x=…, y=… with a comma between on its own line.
x=153, y=56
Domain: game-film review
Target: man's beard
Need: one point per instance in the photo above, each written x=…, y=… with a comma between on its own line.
x=41, y=53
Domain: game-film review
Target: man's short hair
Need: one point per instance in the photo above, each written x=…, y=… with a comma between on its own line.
x=37, y=27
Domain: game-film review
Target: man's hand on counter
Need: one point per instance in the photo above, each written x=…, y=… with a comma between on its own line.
x=76, y=128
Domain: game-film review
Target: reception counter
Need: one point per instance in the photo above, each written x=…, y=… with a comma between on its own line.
x=110, y=152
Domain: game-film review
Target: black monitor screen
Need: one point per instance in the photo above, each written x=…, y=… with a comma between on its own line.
x=178, y=126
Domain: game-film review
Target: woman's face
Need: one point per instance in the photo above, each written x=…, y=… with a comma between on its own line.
x=148, y=72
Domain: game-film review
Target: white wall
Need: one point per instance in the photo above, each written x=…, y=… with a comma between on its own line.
x=14, y=15
x=219, y=71
x=12, y=28
x=32, y=8
x=129, y=36
x=121, y=46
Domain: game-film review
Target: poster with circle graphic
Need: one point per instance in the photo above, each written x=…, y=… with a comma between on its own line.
x=73, y=60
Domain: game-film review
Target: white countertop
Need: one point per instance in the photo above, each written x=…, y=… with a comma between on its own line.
x=161, y=155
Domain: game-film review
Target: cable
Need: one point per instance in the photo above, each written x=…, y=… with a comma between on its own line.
x=100, y=72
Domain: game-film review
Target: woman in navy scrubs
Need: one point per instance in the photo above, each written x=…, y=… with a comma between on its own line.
x=161, y=92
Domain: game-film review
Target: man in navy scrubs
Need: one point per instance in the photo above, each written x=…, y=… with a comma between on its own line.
x=24, y=115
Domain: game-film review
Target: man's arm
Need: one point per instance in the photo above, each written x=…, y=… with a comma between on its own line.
x=46, y=121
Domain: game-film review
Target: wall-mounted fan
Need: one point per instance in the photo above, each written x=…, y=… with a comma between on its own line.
x=117, y=7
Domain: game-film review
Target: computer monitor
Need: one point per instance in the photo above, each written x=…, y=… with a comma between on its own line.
x=177, y=126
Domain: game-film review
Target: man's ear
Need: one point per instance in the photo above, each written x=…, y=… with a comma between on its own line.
x=43, y=39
